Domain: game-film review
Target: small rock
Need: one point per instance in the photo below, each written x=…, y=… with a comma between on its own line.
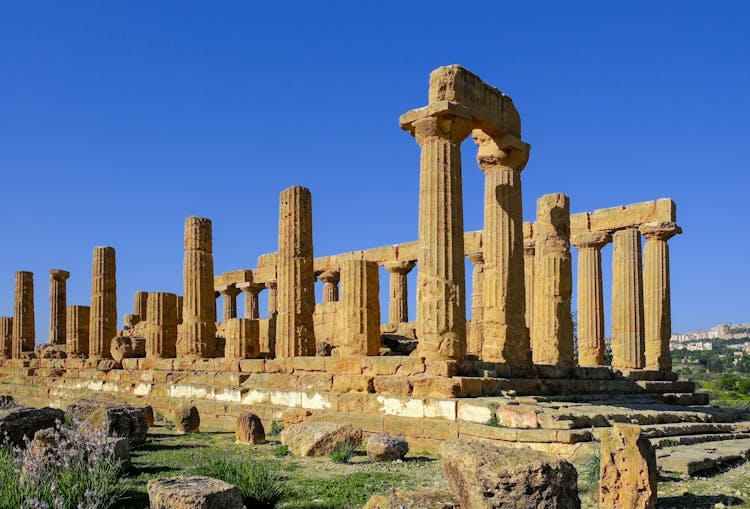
x=386, y=448
x=187, y=419
x=318, y=438
x=148, y=411
x=249, y=429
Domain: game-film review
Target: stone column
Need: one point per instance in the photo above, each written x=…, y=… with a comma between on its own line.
x=77, y=330
x=330, y=280
x=441, y=283
x=656, y=294
x=272, y=314
x=627, y=301
x=161, y=326
x=243, y=338
x=6, y=337
x=590, y=297
x=553, y=285
x=295, y=335
x=251, y=291
x=398, y=310
x=504, y=332
x=103, y=316
x=529, y=249
x=180, y=303
x=24, y=338
x=229, y=295
x=474, y=340
x=272, y=299
x=198, y=339
x=359, y=313
x=57, y=302
x=140, y=305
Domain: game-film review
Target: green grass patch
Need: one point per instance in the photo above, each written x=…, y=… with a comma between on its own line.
x=340, y=492
x=260, y=488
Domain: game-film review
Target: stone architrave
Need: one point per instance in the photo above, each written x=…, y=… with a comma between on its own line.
x=77, y=331
x=103, y=315
x=330, y=279
x=161, y=326
x=140, y=305
x=590, y=297
x=57, y=303
x=628, y=472
x=529, y=251
x=229, y=295
x=6, y=337
x=398, y=310
x=656, y=294
x=441, y=285
x=628, y=347
x=474, y=340
x=252, y=291
x=295, y=335
x=504, y=332
x=358, y=315
x=24, y=337
x=553, y=283
x=198, y=338
x=243, y=338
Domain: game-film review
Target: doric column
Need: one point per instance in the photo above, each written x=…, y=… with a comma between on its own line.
x=441, y=284
x=398, y=310
x=330, y=279
x=103, y=319
x=251, y=291
x=140, y=305
x=553, y=285
x=24, y=338
x=529, y=250
x=57, y=303
x=656, y=294
x=273, y=300
x=590, y=297
x=180, y=303
x=627, y=301
x=295, y=335
x=161, y=326
x=6, y=337
x=229, y=295
x=77, y=330
x=198, y=338
x=474, y=341
x=243, y=338
x=359, y=311
x=505, y=337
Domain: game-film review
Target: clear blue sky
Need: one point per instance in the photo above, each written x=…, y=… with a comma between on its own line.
x=118, y=119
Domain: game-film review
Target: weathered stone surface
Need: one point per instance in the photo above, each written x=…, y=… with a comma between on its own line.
x=358, y=315
x=187, y=419
x=590, y=297
x=50, y=351
x=161, y=325
x=628, y=469
x=23, y=314
x=127, y=347
x=148, y=412
x=77, y=334
x=45, y=445
x=193, y=493
x=122, y=421
x=140, y=305
x=250, y=429
x=413, y=500
x=482, y=475
x=386, y=448
x=627, y=301
x=103, y=315
x=57, y=303
x=242, y=338
x=398, y=311
x=23, y=422
x=318, y=438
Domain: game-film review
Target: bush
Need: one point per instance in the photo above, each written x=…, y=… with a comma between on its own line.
x=343, y=452
x=281, y=450
x=276, y=428
x=260, y=488
x=588, y=474
x=159, y=416
x=494, y=421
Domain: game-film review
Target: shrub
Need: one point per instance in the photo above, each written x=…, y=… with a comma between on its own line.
x=169, y=425
x=159, y=416
x=588, y=474
x=276, y=428
x=494, y=421
x=260, y=488
x=281, y=450
x=343, y=452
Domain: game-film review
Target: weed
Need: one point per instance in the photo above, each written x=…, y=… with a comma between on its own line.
x=588, y=473
x=159, y=416
x=169, y=425
x=281, y=451
x=343, y=452
x=276, y=428
x=260, y=488
x=494, y=421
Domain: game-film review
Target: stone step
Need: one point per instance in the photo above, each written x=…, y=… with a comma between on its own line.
x=674, y=441
x=678, y=386
x=653, y=431
x=697, y=458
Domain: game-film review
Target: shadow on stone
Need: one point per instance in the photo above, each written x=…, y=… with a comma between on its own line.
x=697, y=501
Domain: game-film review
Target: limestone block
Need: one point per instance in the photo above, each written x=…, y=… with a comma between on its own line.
x=22, y=422
x=193, y=493
x=243, y=338
x=318, y=438
x=122, y=421
x=187, y=419
x=249, y=429
x=358, y=314
x=127, y=347
x=482, y=475
x=633, y=215
x=628, y=469
x=386, y=448
x=413, y=500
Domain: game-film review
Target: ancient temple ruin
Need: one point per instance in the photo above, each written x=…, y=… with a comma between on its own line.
x=439, y=376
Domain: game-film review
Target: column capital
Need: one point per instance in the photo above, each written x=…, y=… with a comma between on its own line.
x=663, y=230
x=402, y=267
x=59, y=274
x=596, y=240
x=500, y=152
x=476, y=258
x=330, y=276
x=271, y=285
x=529, y=247
x=229, y=290
x=251, y=287
x=443, y=119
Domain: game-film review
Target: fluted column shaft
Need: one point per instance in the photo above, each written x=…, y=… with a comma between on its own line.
x=295, y=335
x=656, y=294
x=6, y=337
x=441, y=283
x=161, y=326
x=330, y=280
x=24, y=336
x=252, y=291
x=590, y=297
x=229, y=299
x=504, y=331
x=474, y=335
x=140, y=305
x=553, y=285
x=77, y=330
x=243, y=338
x=198, y=339
x=57, y=303
x=273, y=299
x=398, y=308
x=103, y=317
x=627, y=301
x=529, y=250
x=359, y=311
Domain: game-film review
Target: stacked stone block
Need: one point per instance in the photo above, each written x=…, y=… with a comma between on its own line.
x=243, y=338
x=359, y=311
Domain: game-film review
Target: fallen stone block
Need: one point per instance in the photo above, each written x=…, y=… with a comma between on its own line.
x=413, y=500
x=187, y=419
x=249, y=429
x=22, y=422
x=386, y=448
x=628, y=469
x=318, y=438
x=193, y=493
x=123, y=421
